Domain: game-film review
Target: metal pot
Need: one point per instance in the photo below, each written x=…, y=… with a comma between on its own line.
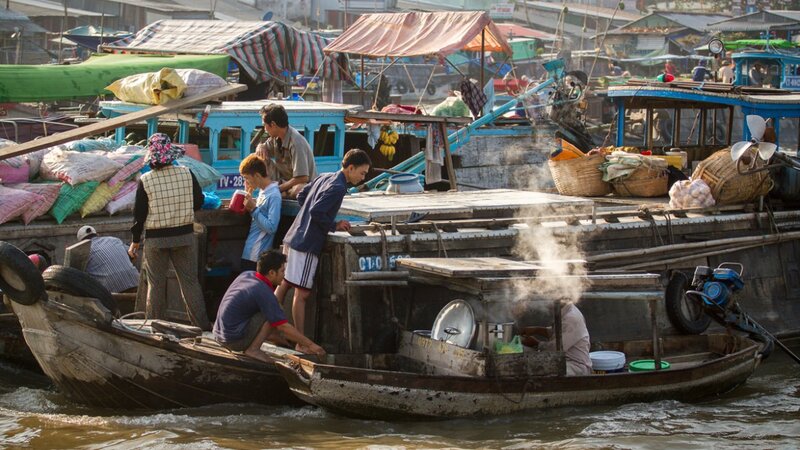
x=497, y=332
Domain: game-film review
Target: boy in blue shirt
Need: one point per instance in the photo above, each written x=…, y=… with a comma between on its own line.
x=265, y=209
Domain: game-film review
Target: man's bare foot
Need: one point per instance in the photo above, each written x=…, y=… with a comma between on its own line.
x=259, y=355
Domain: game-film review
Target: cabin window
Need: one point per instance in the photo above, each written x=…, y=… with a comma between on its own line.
x=635, y=120
x=324, y=143
x=689, y=127
x=716, y=130
x=788, y=134
x=663, y=127
x=230, y=144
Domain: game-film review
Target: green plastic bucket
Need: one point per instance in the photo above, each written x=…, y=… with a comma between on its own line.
x=646, y=365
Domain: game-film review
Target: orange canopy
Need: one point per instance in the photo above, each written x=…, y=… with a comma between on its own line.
x=419, y=34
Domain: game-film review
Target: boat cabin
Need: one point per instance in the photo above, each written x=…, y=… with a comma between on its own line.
x=223, y=132
x=780, y=70
x=698, y=120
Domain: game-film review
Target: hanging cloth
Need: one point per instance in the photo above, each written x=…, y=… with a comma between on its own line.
x=473, y=96
x=434, y=155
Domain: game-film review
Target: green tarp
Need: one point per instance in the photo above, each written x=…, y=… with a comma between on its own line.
x=749, y=43
x=22, y=83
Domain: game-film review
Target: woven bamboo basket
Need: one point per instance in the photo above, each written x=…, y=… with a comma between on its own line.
x=727, y=185
x=643, y=182
x=580, y=176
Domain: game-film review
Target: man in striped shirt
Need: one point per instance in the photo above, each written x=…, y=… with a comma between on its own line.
x=109, y=262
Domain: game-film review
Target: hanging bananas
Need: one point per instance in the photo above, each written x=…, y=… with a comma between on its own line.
x=388, y=138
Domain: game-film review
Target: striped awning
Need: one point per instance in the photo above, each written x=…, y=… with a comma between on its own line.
x=263, y=49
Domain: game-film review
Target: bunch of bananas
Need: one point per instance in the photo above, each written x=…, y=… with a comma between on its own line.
x=388, y=138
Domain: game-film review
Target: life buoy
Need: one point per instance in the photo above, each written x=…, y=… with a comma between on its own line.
x=401, y=87
x=20, y=280
x=76, y=282
x=684, y=313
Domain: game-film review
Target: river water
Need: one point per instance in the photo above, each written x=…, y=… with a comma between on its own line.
x=764, y=413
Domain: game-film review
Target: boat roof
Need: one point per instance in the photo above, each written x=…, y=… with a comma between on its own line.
x=292, y=107
x=766, y=102
x=33, y=83
x=791, y=58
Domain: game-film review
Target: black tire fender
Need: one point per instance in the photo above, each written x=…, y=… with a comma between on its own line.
x=684, y=314
x=401, y=87
x=19, y=277
x=77, y=282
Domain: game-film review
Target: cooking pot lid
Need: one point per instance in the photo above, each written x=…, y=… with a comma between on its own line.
x=455, y=324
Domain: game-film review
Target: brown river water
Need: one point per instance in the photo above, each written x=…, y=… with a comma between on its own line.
x=762, y=414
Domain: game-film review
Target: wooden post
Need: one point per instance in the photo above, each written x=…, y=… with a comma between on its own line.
x=451, y=171
x=557, y=326
x=654, y=324
x=649, y=128
x=363, y=75
x=483, y=53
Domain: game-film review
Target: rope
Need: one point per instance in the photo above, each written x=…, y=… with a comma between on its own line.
x=603, y=39
x=439, y=241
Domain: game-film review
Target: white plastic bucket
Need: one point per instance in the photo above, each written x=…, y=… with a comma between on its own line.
x=607, y=361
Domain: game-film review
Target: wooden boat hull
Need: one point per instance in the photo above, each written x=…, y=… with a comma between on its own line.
x=387, y=394
x=94, y=362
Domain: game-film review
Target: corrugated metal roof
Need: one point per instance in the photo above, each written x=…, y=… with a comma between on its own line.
x=40, y=8
x=697, y=22
x=9, y=20
x=793, y=15
x=757, y=21
x=582, y=9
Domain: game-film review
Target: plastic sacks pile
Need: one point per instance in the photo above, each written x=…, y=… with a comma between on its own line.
x=690, y=194
x=157, y=88
x=88, y=176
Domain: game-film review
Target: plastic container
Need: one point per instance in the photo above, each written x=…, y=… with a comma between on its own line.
x=646, y=365
x=237, y=202
x=404, y=183
x=607, y=361
x=505, y=348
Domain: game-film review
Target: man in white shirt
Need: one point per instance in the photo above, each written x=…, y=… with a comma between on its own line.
x=574, y=340
x=725, y=73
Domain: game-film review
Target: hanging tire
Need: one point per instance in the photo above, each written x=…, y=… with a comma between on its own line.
x=401, y=87
x=77, y=282
x=684, y=313
x=19, y=277
x=431, y=89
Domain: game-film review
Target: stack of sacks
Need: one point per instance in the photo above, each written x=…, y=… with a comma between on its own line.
x=690, y=194
x=86, y=176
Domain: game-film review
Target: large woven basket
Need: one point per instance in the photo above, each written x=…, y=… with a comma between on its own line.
x=727, y=185
x=643, y=182
x=580, y=176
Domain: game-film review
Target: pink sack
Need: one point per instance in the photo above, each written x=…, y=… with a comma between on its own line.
x=131, y=168
x=47, y=191
x=14, y=170
x=13, y=202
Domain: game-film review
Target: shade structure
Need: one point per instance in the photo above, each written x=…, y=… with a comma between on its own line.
x=263, y=49
x=420, y=34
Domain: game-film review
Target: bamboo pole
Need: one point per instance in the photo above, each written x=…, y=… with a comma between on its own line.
x=690, y=246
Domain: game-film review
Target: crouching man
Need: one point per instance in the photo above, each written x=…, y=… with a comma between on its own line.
x=249, y=313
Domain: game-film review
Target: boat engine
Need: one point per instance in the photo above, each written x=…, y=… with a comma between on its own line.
x=714, y=289
x=718, y=284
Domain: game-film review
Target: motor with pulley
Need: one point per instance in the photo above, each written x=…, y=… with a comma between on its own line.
x=714, y=290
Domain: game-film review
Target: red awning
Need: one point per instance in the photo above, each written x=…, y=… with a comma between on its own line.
x=509, y=30
x=419, y=34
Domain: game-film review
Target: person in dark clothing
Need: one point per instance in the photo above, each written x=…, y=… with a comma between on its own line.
x=319, y=203
x=249, y=313
x=700, y=72
x=166, y=200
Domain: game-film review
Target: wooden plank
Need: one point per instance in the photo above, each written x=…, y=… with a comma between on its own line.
x=408, y=118
x=448, y=157
x=469, y=267
x=116, y=122
x=493, y=203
